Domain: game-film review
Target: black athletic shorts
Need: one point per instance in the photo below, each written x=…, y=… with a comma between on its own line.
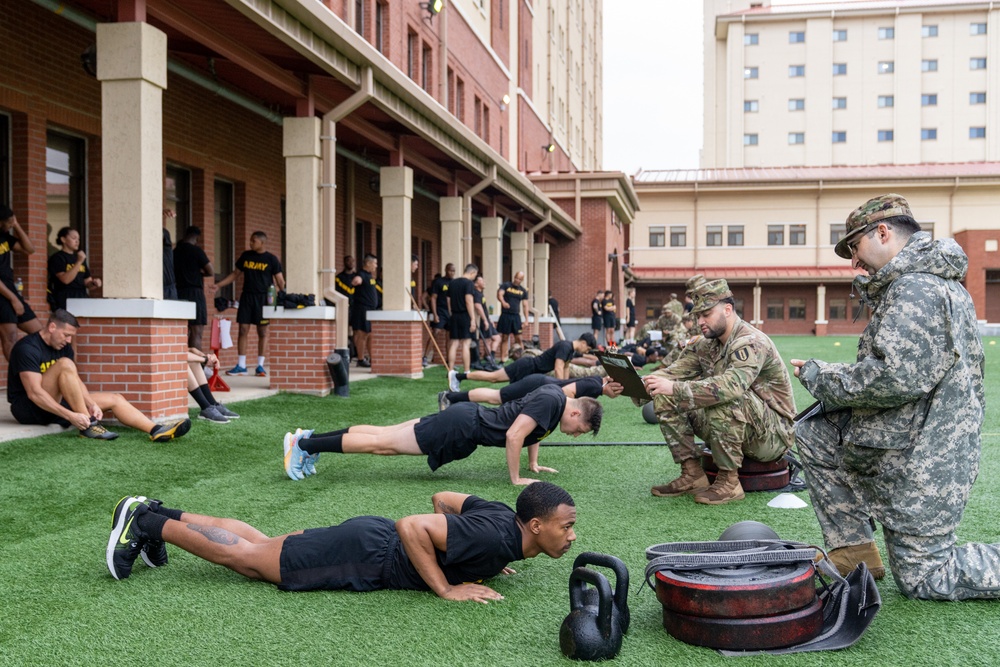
x=596, y=322
x=197, y=296
x=25, y=411
x=459, y=326
x=442, y=321
x=8, y=316
x=487, y=330
x=610, y=321
x=449, y=435
x=252, y=309
x=521, y=368
x=357, y=317
x=353, y=556
x=509, y=323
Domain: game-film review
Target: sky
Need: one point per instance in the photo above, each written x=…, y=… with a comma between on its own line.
x=653, y=59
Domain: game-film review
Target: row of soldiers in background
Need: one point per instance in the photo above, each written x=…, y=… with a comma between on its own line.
x=363, y=289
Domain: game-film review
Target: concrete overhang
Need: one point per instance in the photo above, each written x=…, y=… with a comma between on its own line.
x=613, y=186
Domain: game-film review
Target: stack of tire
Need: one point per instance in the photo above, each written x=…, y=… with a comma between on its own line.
x=754, y=475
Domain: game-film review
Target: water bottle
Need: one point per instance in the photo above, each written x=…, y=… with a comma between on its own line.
x=270, y=295
x=19, y=285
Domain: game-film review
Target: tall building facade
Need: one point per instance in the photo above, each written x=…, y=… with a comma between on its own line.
x=851, y=83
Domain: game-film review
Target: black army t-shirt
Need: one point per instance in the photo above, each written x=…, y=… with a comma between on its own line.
x=189, y=260
x=457, y=290
x=545, y=405
x=31, y=354
x=513, y=295
x=258, y=270
x=7, y=242
x=61, y=262
x=547, y=359
x=440, y=288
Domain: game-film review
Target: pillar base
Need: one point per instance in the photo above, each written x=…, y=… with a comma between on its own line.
x=397, y=343
x=299, y=341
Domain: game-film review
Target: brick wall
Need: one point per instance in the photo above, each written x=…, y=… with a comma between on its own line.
x=980, y=261
x=298, y=364
x=396, y=348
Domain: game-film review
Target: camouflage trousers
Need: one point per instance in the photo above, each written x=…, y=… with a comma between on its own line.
x=917, y=493
x=742, y=427
x=578, y=371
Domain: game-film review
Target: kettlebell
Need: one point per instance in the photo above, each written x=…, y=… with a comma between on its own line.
x=619, y=593
x=588, y=632
x=649, y=413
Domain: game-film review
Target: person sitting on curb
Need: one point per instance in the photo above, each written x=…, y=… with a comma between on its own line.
x=43, y=387
x=197, y=383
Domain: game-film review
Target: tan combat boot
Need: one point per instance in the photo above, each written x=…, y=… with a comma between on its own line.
x=692, y=479
x=726, y=488
x=847, y=558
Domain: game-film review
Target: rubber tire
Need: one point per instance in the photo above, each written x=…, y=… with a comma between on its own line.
x=762, y=481
x=747, y=634
x=749, y=467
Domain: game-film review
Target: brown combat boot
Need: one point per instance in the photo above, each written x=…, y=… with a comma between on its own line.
x=726, y=488
x=847, y=558
x=692, y=479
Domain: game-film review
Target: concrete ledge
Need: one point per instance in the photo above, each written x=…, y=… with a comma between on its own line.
x=396, y=315
x=153, y=309
x=307, y=313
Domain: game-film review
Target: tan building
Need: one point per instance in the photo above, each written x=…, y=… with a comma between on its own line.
x=771, y=233
x=851, y=83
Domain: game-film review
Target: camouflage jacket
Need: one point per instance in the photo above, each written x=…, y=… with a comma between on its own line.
x=708, y=372
x=919, y=372
x=667, y=323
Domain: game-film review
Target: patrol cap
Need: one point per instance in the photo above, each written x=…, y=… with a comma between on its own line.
x=864, y=218
x=709, y=295
x=693, y=283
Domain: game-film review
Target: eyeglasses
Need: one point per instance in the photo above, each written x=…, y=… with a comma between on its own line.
x=853, y=246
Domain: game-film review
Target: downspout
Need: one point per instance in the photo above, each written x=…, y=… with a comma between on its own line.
x=328, y=196
x=443, y=56
x=491, y=176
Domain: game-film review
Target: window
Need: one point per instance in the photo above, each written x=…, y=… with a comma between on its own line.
x=380, y=14
x=678, y=237
x=459, y=99
x=928, y=134
x=838, y=309
x=839, y=102
x=775, y=309
x=885, y=135
x=749, y=139
x=796, y=234
x=928, y=100
x=837, y=231
x=477, y=115
x=225, y=235
x=796, y=70
x=796, y=309
x=796, y=37
x=796, y=104
x=858, y=309
x=65, y=191
x=928, y=66
x=359, y=16
x=177, y=198
x=977, y=98
x=977, y=132
x=929, y=31
x=486, y=123
x=886, y=67
x=657, y=236
x=839, y=137
x=426, y=67
x=411, y=55
x=713, y=235
x=839, y=69
x=775, y=235
x=750, y=106
x=750, y=73
x=840, y=35
x=887, y=33
x=886, y=101
x=977, y=28
x=734, y=235
x=977, y=63
x=751, y=39
x=796, y=138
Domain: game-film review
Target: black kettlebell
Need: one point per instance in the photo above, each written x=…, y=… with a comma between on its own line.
x=590, y=633
x=619, y=593
x=649, y=413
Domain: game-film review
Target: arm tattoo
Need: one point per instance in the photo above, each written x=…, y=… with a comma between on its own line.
x=218, y=535
x=446, y=508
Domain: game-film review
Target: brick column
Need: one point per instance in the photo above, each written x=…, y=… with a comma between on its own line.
x=300, y=341
x=137, y=348
x=397, y=341
x=546, y=332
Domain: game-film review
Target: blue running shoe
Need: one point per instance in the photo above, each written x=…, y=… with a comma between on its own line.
x=237, y=370
x=309, y=465
x=126, y=541
x=294, y=457
x=260, y=372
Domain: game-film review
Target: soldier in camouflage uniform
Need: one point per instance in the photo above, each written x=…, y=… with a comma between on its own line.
x=897, y=434
x=730, y=388
x=675, y=306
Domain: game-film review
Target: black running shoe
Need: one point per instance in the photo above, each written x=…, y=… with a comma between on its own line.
x=170, y=431
x=154, y=552
x=125, y=542
x=97, y=432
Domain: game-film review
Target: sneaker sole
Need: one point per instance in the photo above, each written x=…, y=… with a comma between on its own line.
x=173, y=433
x=237, y=373
x=117, y=529
x=224, y=420
x=288, y=458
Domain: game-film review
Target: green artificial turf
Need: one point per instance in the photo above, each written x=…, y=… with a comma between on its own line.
x=61, y=606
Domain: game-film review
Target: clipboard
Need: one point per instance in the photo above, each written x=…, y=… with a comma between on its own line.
x=621, y=370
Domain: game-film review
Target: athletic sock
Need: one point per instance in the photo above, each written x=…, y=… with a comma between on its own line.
x=260, y=361
x=314, y=445
x=457, y=396
x=199, y=396
x=241, y=361
x=167, y=512
x=461, y=376
x=150, y=524
x=208, y=394
x=329, y=434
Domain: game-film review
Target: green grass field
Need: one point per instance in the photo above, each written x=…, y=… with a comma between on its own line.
x=62, y=607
